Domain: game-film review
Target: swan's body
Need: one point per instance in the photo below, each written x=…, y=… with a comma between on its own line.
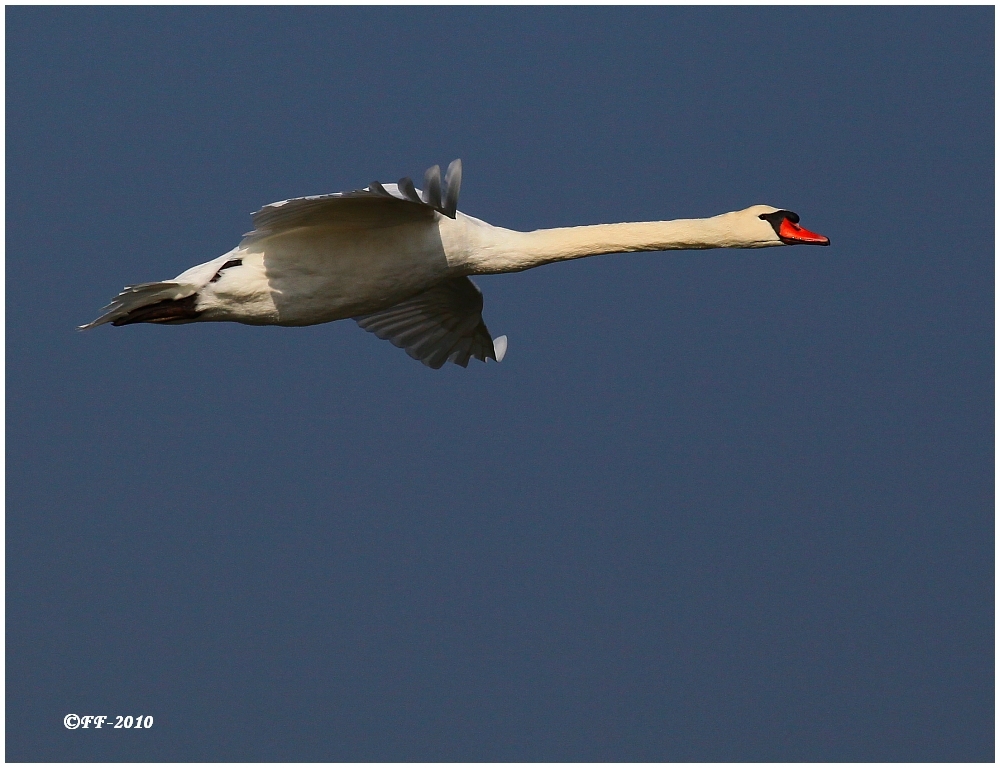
x=399, y=262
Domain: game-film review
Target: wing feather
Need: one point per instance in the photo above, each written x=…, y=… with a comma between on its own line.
x=432, y=187
x=443, y=323
x=375, y=206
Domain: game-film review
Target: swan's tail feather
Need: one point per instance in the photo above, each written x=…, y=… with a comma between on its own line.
x=150, y=303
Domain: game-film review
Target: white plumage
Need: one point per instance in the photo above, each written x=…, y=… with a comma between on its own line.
x=398, y=261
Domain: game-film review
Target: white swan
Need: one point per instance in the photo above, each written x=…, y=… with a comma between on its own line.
x=398, y=261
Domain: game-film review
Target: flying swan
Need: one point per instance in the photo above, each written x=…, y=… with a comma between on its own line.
x=398, y=261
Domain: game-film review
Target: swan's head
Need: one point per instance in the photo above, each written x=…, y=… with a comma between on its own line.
x=777, y=226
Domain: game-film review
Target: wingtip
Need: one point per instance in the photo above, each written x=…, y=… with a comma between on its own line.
x=452, y=184
x=432, y=187
x=406, y=188
x=500, y=347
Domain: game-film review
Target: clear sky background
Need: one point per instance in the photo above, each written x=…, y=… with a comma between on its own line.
x=728, y=505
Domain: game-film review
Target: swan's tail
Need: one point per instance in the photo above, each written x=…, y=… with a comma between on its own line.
x=166, y=302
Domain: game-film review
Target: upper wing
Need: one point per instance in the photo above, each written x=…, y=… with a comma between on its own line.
x=443, y=323
x=377, y=205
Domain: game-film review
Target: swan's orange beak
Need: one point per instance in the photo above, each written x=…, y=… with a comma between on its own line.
x=793, y=233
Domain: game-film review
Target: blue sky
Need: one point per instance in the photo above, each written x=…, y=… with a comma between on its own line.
x=724, y=505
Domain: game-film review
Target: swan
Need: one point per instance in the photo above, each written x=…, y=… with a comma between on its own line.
x=397, y=260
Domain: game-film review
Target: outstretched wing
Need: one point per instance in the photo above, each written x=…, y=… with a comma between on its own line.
x=443, y=323
x=377, y=205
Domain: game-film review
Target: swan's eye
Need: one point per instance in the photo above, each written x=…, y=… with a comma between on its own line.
x=775, y=218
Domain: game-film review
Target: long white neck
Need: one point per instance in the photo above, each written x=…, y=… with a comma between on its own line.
x=510, y=251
